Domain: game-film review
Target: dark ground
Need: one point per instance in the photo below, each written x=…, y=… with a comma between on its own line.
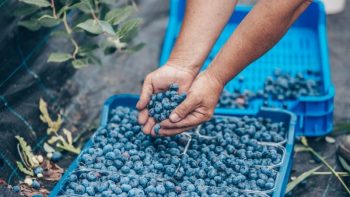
x=88, y=88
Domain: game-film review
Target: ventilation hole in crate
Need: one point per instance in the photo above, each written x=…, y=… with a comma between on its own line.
x=2, y=163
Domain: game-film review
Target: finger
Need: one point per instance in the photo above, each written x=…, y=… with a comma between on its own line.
x=143, y=116
x=149, y=126
x=171, y=132
x=192, y=119
x=186, y=107
x=146, y=93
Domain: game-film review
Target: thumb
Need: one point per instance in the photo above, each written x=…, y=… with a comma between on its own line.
x=186, y=107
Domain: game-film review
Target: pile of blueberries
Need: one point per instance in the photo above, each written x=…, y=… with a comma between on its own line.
x=163, y=103
x=281, y=86
x=215, y=160
x=236, y=99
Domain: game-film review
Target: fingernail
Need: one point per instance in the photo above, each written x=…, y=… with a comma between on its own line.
x=137, y=104
x=174, y=117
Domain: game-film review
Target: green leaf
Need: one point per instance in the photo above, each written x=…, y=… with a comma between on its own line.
x=303, y=176
x=90, y=26
x=32, y=25
x=59, y=57
x=24, y=169
x=83, y=50
x=80, y=63
x=344, y=163
x=128, y=27
x=48, y=21
x=118, y=15
x=39, y=3
x=60, y=33
x=24, y=10
x=48, y=148
x=83, y=6
x=106, y=27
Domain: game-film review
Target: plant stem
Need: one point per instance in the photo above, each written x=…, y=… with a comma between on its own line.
x=329, y=173
x=93, y=13
x=97, y=7
x=53, y=8
x=65, y=22
x=69, y=31
x=330, y=168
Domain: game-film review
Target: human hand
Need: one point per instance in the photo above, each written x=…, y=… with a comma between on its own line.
x=197, y=108
x=160, y=80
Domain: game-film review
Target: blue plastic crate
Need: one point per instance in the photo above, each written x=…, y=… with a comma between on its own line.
x=303, y=47
x=274, y=114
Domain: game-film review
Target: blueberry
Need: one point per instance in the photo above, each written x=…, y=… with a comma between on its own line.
x=169, y=186
x=110, y=155
x=178, y=189
x=36, y=184
x=90, y=191
x=107, y=148
x=56, y=156
x=160, y=189
x=269, y=185
x=125, y=187
x=116, y=190
x=125, y=169
x=102, y=186
x=87, y=159
x=16, y=189
x=156, y=129
x=38, y=170
x=150, y=189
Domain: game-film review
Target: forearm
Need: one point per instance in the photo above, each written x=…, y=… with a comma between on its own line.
x=203, y=23
x=261, y=29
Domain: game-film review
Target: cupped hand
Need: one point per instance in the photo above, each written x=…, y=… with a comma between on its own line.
x=197, y=108
x=160, y=80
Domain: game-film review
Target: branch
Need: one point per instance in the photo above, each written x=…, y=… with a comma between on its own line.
x=69, y=31
x=53, y=9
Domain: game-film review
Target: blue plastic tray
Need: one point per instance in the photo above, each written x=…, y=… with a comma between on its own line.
x=274, y=114
x=303, y=47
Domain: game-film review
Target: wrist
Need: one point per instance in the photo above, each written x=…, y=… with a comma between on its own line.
x=184, y=65
x=216, y=76
x=213, y=77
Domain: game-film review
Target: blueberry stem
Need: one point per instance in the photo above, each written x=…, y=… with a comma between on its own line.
x=203, y=136
x=188, y=142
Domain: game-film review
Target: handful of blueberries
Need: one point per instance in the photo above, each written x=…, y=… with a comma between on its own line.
x=222, y=158
x=163, y=103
